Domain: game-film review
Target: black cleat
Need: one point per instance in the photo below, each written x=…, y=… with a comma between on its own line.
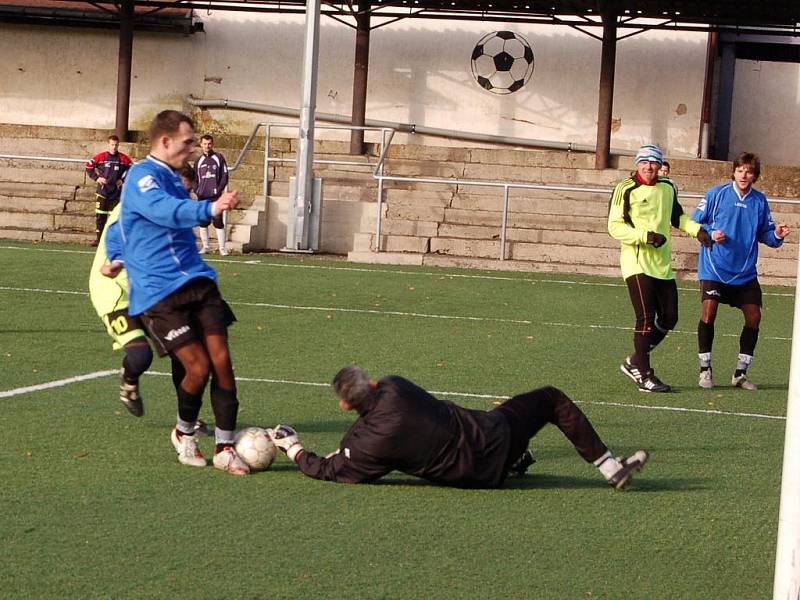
x=520, y=466
x=651, y=383
x=129, y=395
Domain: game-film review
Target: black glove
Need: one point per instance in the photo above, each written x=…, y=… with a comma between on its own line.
x=704, y=238
x=655, y=239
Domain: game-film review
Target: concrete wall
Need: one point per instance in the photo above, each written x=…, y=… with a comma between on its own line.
x=419, y=72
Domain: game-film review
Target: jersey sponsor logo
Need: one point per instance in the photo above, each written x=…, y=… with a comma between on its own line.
x=174, y=333
x=741, y=205
x=147, y=183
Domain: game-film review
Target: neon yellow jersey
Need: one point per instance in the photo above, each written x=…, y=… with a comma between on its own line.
x=633, y=211
x=110, y=296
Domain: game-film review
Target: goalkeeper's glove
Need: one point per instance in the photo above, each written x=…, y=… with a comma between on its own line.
x=655, y=239
x=286, y=439
x=704, y=238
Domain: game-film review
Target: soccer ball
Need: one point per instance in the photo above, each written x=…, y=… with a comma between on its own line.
x=502, y=62
x=255, y=446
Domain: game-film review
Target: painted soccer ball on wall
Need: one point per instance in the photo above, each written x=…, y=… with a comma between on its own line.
x=502, y=62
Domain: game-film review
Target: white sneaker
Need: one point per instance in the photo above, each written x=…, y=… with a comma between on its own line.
x=628, y=467
x=228, y=460
x=705, y=381
x=223, y=251
x=205, y=250
x=188, y=452
x=741, y=381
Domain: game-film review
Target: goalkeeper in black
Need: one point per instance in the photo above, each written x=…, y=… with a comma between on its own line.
x=402, y=427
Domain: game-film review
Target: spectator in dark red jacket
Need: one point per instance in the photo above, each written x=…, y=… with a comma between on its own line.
x=402, y=427
x=108, y=169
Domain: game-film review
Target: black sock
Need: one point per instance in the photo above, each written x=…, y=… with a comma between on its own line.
x=748, y=340
x=705, y=336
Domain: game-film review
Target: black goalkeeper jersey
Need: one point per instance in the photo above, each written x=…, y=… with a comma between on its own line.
x=406, y=429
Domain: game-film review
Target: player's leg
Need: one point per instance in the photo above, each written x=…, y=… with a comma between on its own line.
x=219, y=226
x=666, y=312
x=213, y=318
x=644, y=297
x=205, y=240
x=528, y=413
x=709, y=295
x=747, y=346
x=138, y=358
x=195, y=363
x=100, y=217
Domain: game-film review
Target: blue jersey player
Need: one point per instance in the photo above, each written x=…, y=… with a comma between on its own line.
x=738, y=218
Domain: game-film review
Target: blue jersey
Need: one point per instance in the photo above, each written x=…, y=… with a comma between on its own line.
x=158, y=244
x=746, y=221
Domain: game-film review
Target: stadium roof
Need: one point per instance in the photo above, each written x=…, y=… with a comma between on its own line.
x=775, y=17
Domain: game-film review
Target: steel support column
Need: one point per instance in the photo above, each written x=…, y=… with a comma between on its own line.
x=360, y=75
x=606, y=96
x=124, y=69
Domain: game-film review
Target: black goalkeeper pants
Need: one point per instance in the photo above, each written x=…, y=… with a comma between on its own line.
x=528, y=413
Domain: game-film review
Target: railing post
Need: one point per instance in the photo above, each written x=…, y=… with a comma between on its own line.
x=266, y=161
x=504, y=225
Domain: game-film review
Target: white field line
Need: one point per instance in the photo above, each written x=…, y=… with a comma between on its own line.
x=98, y=374
x=397, y=313
x=270, y=265
x=57, y=383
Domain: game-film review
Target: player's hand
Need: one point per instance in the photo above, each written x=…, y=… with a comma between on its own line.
x=286, y=439
x=112, y=269
x=655, y=239
x=718, y=236
x=704, y=238
x=227, y=201
x=102, y=180
x=782, y=230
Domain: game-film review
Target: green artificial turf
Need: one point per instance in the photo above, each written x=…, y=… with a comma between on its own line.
x=95, y=505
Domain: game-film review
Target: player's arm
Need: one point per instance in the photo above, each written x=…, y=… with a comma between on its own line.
x=620, y=226
x=340, y=466
x=680, y=220
x=768, y=232
x=153, y=203
x=223, y=173
x=91, y=166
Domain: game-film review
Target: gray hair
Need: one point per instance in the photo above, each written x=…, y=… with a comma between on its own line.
x=351, y=384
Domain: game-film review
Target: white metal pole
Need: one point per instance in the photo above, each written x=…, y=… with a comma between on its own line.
x=299, y=206
x=787, y=557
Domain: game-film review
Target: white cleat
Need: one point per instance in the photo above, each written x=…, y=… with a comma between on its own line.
x=223, y=251
x=741, y=381
x=705, y=380
x=188, y=452
x=629, y=466
x=228, y=460
x=205, y=250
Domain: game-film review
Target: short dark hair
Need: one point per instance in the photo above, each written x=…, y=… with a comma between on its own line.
x=352, y=385
x=189, y=173
x=207, y=136
x=113, y=138
x=747, y=159
x=167, y=122
x=665, y=164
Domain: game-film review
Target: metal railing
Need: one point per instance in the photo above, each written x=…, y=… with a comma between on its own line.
x=44, y=158
x=387, y=134
x=506, y=187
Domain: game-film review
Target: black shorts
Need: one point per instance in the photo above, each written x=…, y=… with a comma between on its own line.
x=187, y=315
x=732, y=295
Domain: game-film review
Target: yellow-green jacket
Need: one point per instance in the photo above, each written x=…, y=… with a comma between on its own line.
x=633, y=211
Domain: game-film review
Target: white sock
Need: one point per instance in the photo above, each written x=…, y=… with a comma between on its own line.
x=185, y=427
x=608, y=465
x=224, y=436
x=705, y=359
x=743, y=362
x=204, y=236
x=221, y=237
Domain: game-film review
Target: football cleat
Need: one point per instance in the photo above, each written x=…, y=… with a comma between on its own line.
x=228, y=460
x=651, y=383
x=205, y=250
x=186, y=447
x=201, y=428
x=705, y=379
x=520, y=466
x=129, y=395
x=741, y=381
x=223, y=251
x=631, y=371
x=630, y=465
